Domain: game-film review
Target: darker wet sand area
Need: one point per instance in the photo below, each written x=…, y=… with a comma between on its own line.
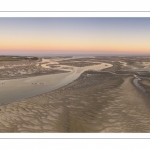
x=100, y=100
x=96, y=102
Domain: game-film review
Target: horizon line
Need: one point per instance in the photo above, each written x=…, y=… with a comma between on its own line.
x=74, y=54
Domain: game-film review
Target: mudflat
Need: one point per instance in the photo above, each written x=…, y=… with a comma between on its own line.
x=96, y=94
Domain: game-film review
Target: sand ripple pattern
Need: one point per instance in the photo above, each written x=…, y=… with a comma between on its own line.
x=96, y=102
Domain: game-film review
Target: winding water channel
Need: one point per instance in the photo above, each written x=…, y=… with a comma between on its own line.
x=17, y=89
x=136, y=83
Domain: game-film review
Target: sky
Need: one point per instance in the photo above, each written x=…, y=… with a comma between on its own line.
x=74, y=36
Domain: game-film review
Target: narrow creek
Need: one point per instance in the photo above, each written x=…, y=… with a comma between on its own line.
x=136, y=83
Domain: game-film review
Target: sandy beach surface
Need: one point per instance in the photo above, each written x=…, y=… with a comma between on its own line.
x=93, y=98
x=73, y=108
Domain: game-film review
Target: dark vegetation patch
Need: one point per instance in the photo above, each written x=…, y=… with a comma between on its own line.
x=14, y=73
x=125, y=72
x=77, y=64
x=144, y=74
x=16, y=58
x=116, y=66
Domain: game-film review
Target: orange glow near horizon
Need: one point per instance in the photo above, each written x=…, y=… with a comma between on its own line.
x=78, y=45
x=75, y=37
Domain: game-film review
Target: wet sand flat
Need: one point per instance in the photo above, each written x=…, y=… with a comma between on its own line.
x=95, y=103
x=98, y=98
x=31, y=86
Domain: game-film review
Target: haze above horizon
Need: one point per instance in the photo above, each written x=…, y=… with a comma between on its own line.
x=52, y=36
